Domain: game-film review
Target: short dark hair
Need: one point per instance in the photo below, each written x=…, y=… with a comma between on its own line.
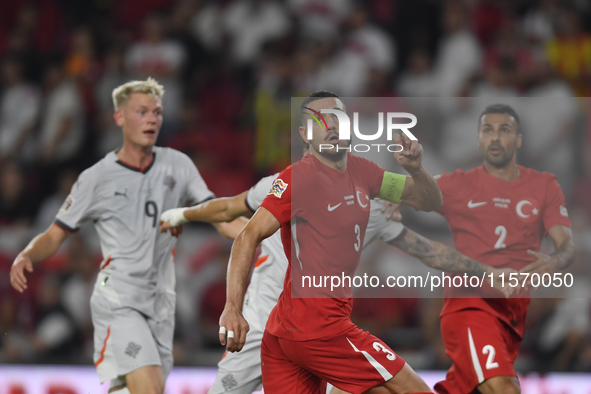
x=319, y=94
x=500, y=109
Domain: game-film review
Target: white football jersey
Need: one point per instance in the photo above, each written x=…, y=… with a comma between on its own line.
x=125, y=203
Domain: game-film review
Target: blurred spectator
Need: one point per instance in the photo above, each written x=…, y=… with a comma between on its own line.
x=251, y=23
x=549, y=117
x=131, y=13
x=417, y=80
x=563, y=325
x=62, y=124
x=12, y=339
x=81, y=62
x=510, y=53
x=487, y=18
x=498, y=81
x=310, y=63
x=19, y=109
x=538, y=24
x=459, y=55
x=55, y=336
x=272, y=109
x=320, y=17
x=77, y=289
x=160, y=58
x=366, y=60
x=207, y=24
x=110, y=135
x=569, y=52
x=16, y=204
x=579, y=195
x=51, y=205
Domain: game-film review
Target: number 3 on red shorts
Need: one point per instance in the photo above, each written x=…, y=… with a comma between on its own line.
x=379, y=347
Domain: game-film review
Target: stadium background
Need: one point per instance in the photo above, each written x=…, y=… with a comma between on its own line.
x=230, y=69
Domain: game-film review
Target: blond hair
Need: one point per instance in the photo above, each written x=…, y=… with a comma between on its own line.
x=149, y=86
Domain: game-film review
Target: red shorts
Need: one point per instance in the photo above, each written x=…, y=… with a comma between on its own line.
x=353, y=361
x=481, y=347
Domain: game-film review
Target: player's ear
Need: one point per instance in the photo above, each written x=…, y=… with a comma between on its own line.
x=118, y=116
x=519, y=140
x=303, y=134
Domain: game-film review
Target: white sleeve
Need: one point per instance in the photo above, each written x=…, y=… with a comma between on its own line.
x=258, y=192
x=379, y=226
x=80, y=203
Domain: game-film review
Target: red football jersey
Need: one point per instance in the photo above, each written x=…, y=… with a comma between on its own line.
x=496, y=222
x=323, y=215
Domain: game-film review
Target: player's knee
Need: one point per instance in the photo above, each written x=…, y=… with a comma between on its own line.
x=146, y=380
x=500, y=385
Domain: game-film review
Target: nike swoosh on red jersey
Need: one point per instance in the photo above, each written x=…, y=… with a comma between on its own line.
x=475, y=204
x=330, y=209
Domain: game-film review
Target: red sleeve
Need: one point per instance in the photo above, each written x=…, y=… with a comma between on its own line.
x=555, y=209
x=375, y=176
x=278, y=200
x=446, y=184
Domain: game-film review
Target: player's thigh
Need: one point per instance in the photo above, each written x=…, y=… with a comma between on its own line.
x=281, y=375
x=163, y=333
x=353, y=361
x=123, y=340
x=240, y=372
x=480, y=346
x=145, y=380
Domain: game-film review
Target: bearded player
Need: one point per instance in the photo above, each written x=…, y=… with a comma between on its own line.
x=133, y=300
x=498, y=214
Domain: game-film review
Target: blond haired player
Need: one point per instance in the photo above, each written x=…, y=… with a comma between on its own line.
x=133, y=301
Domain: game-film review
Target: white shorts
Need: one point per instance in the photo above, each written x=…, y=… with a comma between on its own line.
x=125, y=340
x=240, y=372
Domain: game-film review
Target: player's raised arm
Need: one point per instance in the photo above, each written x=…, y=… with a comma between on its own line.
x=439, y=256
x=420, y=189
x=40, y=248
x=224, y=209
x=262, y=225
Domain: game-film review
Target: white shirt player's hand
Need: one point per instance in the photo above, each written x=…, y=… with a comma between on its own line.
x=173, y=220
x=393, y=211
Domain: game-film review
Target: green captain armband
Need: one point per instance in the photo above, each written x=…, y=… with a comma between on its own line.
x=392, y=187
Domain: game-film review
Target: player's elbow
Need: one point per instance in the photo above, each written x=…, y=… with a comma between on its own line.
x=249, y=236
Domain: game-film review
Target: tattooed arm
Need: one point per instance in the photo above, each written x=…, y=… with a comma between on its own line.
x=439, y=256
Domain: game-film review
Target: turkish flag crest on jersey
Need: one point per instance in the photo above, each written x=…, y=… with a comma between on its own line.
x=362, y=196
x=527, y=209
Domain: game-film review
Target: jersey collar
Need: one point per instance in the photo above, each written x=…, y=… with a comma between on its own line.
x=138, y=169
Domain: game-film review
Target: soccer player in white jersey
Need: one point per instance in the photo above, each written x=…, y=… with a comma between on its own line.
x=240, y=372
x=133, y=301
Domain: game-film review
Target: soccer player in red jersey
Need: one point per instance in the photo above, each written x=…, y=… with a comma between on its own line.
x=498, y=214
x=323, y=219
